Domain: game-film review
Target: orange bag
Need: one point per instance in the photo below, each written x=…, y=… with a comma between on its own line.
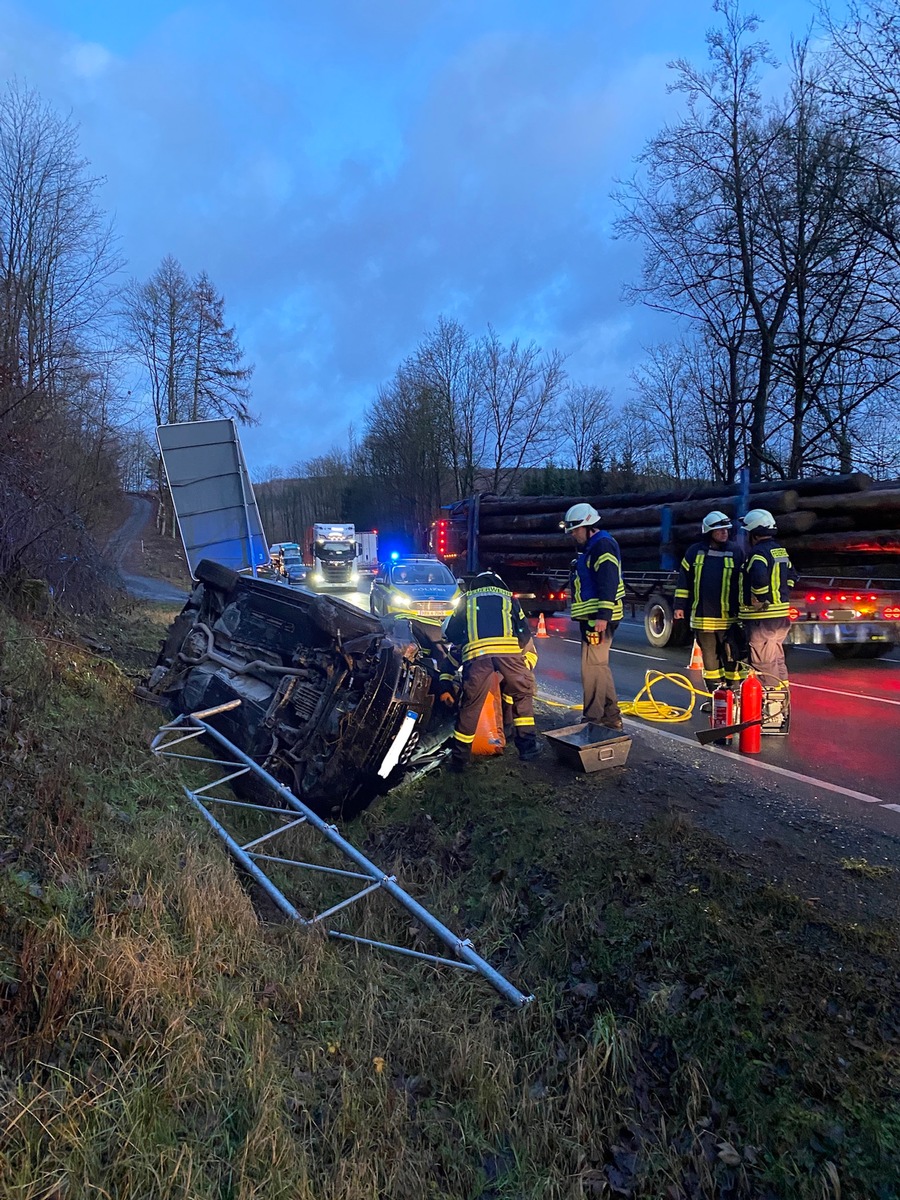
x=489, y=737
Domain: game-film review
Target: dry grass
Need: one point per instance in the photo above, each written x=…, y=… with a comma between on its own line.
x=694, y=1034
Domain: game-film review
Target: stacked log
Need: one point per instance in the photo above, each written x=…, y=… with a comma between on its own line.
x=826, y=515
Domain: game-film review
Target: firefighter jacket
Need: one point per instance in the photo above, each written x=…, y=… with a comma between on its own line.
x=489, y=620
x=767, y=578
x=708, y=584
x=597, y=587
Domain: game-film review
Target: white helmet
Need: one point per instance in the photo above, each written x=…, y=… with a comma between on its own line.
x=758, y=518
x=579, y=516
x=715, y=520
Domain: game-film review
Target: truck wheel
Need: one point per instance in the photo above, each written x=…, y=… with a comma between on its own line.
x=216, y=575
x=660, y=625
x=845, y=650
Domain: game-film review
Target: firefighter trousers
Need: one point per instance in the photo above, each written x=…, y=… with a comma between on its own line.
x=601, y=704
x=766, y=636
x=516, y=682
x=718, y=664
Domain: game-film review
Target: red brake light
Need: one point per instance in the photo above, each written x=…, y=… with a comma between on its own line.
x=857, y=597
x=873, y=597
x=842, y=597
x=811, y=599
x=827, y=597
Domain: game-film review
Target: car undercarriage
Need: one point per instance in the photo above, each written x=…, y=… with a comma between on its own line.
x=338, y=705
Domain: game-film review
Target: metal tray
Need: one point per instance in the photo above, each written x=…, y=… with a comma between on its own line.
x=589, y=747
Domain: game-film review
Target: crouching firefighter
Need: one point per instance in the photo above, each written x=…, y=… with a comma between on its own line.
x=708, y=587
x=490, y=632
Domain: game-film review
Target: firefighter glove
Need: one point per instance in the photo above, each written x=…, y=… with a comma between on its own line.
x=530, y=659
x=592, y=634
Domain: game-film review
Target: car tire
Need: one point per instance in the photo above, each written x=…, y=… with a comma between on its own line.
x=216, y=575
x=660, y=625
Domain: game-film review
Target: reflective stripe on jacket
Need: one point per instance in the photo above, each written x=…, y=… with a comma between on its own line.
x=490, y=621
x=597, y=587
x=708, y=584
x=767, y=577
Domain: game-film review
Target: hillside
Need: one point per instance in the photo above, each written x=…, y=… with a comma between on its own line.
x=707, y=1023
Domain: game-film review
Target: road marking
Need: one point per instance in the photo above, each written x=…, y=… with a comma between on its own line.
x=764, y=766
x=809, y=687
x=616, y=650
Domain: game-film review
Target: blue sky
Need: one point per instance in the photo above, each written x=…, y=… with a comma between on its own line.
x=348, y=170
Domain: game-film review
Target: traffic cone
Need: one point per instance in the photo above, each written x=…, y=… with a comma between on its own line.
x=696, y=663
x=542, y=627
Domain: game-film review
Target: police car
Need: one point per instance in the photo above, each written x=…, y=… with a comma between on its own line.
x=416, y=586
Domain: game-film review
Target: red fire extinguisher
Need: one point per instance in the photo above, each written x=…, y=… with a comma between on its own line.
x=722, y=712
x=751, y=710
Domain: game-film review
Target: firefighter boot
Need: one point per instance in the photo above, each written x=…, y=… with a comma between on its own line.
x=460, y=757
x=527, y=745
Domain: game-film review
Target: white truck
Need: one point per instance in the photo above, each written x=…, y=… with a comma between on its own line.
x=367, y=553
x=332, y=557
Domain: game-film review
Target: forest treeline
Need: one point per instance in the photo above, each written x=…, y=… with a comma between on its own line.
x=768, y=217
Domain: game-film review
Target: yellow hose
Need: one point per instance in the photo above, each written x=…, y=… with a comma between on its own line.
x=650, y=709
x=654, y=710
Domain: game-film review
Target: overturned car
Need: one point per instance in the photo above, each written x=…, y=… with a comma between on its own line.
x=338, y=705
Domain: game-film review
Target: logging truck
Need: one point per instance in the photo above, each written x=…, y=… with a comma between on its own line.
x=842, y=532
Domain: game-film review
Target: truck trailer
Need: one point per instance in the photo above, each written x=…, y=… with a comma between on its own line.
x=842, y=532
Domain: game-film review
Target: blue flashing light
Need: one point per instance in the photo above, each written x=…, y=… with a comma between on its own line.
x=394, y=556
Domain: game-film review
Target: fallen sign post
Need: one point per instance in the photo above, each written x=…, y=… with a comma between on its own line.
x=291, y=814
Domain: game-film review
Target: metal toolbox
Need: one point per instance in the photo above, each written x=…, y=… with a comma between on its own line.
x=589, y=747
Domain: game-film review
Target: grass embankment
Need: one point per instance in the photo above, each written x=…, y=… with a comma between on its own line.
x=695, y=1032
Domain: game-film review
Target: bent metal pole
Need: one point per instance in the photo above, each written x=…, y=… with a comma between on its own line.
x=188, y=726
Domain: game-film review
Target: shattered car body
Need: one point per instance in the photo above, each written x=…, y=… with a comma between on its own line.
x=336, y=704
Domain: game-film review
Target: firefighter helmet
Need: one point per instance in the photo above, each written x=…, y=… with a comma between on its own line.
x=488, y=579
x=715, y=520
x=579, y=516
x=758, y=519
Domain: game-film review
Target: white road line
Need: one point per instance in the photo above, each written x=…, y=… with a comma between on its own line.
x=764, y=766
x=809, y=687
x=616, y=650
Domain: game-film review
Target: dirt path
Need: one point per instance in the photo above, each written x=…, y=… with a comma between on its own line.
x=118, y=545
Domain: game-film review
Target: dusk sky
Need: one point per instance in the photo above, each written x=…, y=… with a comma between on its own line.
x=346, y=171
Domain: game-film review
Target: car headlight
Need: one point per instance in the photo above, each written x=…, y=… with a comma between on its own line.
x=400, y=598
x=454, y=603
x=318, y=577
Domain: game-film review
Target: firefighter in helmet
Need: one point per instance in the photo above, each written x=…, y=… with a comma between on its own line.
x=766, y=582
x=489, y=632
x=708, y=592
x=597, y=593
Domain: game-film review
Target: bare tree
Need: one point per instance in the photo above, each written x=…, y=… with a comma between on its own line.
x=448, y=366
x=586, y=426
x=520, y=387
x=218, y=377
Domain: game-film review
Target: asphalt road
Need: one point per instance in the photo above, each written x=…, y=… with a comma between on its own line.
x=843, y=749
x=845, y=723
x=141, y=586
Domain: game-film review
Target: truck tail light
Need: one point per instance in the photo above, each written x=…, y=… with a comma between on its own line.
x=794, y=614
x=892, y=613
x=811, y=599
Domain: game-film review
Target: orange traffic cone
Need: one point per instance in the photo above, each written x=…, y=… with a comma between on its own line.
x=696, y=663
x=542, y=627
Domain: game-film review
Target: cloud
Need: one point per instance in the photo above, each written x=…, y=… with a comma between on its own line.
x=348, y=172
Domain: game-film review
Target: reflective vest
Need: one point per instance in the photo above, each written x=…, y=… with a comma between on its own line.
x=597, y=587
x=709, y=584
x=767, y=577
x=490, y=621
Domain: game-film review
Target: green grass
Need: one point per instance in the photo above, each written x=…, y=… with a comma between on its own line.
x=695, y=1033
